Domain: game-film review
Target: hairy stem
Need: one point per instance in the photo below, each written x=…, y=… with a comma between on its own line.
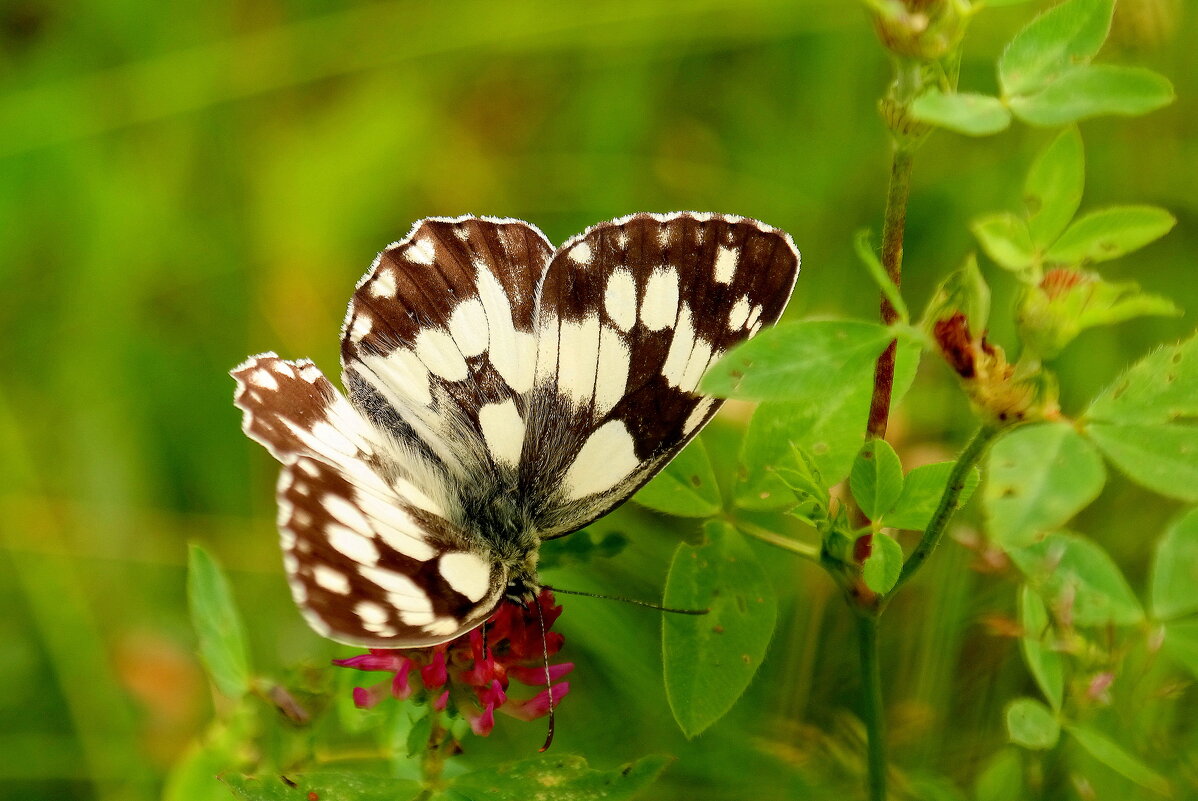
x=969, y=457
x=874, y=714
x=433, y=762
x=892, y=259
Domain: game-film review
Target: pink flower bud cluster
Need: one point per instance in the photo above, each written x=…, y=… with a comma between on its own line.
x=477, y=677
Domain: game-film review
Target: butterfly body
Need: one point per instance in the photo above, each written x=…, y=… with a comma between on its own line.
x=500, y=392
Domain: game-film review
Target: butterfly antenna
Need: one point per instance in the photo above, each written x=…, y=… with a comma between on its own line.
x=647, y=604
x=548, y=678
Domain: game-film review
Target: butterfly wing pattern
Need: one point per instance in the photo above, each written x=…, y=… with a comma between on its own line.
x=501, y=392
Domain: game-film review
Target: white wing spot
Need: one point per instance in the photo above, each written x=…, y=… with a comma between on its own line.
x=416, y=617
x=622, y=239
x=611, y=377
x=443, y=626
x=397, y=586
x=578, y=357
x=383, y=285
x=605, y=459
x=262, y=378
x=725, y=264
x=581, y=254
x=468, y=327
x=395, y=527
x=754, y=315
x=466, y=573
x=620, y=299
x=674, y=368
x=660, y=306
x=696, y=416
x=696, y=365
x=422, y=251
x=330, y=579
x=357, y=546
x=371, y=614
x=361, y=327
x=440, y=354
x=401, y=375
x=311, y=373
x=739, y=314
x=503, y=431
x=513, y=353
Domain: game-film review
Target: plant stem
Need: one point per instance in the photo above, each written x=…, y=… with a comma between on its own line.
x=433, y=762
x=803, y=549
x=892, y=259
x=875, y=716
x=969, y=457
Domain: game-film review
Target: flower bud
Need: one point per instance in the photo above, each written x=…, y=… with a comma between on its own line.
x=924, y=30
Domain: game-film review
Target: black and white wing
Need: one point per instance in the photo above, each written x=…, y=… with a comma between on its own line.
x=371, y=555
x=630, y=315
x=439, y=347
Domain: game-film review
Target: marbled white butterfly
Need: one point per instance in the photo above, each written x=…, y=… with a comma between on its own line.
x=501, y=393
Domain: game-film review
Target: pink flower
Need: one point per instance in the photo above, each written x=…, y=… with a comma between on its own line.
x=477, y=676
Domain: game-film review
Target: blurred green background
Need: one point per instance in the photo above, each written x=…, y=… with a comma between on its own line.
x=182, y=185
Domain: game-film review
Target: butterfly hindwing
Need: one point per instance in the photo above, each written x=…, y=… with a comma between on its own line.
x=630, y=315
x=438, y=344
x=371, y=557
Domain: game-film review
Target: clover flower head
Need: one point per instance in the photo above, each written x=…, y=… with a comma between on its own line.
x=474, y=670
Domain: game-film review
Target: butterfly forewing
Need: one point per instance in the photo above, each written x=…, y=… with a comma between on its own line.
x=630, y=315
x=438, y=345
x=370, y=556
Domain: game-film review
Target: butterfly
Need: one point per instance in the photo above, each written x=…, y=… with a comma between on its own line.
x=501, y=392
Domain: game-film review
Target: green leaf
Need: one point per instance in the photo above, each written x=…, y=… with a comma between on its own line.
x=827, y=421
x=805, y=360
x=1032, y=725
x=1006, y=240
x=876, y=478
x=1045, y=663
x=217, y=624
x=1110, y=233
x=686, y=487
x=1038, y=477
x=802, y=476
x=328, y=786
x=884, y=563
x=865, y=252
x=563, y=777
x=1075, y=573
x=922, y=489
x=1053, y=189
x=1160, y=388
x=963, y=112
x=1175, y=569
x=1163, y=458
x=579, y=548
x=1002, y=778
x=964, y=290
x=1114, y=757
x=1181, y=643
x=1056, y=40
x=193, y=777
x=710, y=659
x=1110, y=303
x=1093, y=91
